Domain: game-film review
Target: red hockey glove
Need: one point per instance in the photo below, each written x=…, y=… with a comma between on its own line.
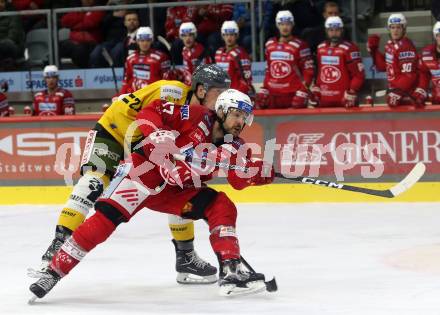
x=172, y=74
x=11, y=110
x=373, y=43
x=27, y=110
x=69, y=110
x=159, y=147
x=315, y=96
x=394, y=98
x=419, y=95
x=262, y=99
x=300, y=99
x=350, y=99
x=181, y=174
x=265, y=174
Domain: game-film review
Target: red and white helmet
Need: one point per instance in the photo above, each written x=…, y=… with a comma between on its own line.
x=230, y=27
x=284, y=17
x=232, y=98
x=397, y=18
x=187, y=28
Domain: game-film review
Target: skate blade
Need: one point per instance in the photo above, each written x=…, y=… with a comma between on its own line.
x=32, y=299
x=33, y=273
x=231, y=290
x=188, y=278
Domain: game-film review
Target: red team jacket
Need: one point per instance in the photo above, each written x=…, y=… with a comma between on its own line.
x=340, y=69
x=237, y=64
x=285, y=62
x=429, y=72
x=141, y=70
x=400, y=63
x=59, y=103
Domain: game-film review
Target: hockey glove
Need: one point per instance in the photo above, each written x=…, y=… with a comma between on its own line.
x=350, y=99
x=300, y=99
x=373, y=43
x=69, y=110
x=394, y=98
x=262, y=99
x=159, y=147
x=181, y=174
x=419, y=95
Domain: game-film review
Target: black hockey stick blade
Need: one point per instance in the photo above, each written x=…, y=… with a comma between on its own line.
x=271, y=285
x=413, y=177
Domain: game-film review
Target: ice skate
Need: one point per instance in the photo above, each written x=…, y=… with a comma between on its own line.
x=191, y=269
x=43, y=285
x=236, y=280
x=60, y=236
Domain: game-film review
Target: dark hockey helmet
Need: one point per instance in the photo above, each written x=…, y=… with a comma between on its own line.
x=210, y=76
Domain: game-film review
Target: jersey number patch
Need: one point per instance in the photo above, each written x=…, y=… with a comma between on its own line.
x=133, y=102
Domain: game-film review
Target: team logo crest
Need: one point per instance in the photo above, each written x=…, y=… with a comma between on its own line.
x=280, y=69
x=330, y=74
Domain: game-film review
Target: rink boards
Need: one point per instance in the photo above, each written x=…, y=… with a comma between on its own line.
x=332, y=144
x=275, y=193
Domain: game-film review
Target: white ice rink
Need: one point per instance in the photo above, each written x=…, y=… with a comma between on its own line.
x=328, y=259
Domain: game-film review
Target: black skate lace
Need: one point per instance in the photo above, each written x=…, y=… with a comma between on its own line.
x=194, y=258
x=47, y=283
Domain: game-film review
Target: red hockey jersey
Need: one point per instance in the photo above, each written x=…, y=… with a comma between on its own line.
x=400, y=63
x=143, y=69
x=192, y=57
x=60, y=102
x=288, y=66
x=429, y=72
x=340, y=69
x=237, y=64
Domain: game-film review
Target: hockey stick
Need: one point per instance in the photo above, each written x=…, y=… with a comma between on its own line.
x=271, y=285
x=411, y=178
x=110, y=62
x=381, y=93
x=373, y=87
x=168, y=47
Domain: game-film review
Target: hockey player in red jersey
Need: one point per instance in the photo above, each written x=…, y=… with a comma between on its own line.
x=399, y=61
x=193, y=53
x=54, y=100
x=145, y=66
x=159, y=183
x=340, y=69
x=234, y=59
x=429, y=71
x=5, y=109
x=289, y=69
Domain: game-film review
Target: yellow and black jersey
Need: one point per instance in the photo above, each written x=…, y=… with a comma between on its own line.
x=122, y=113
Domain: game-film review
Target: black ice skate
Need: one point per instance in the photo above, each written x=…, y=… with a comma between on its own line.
x=191, y=269
x=61, y=234
x=236, y=279
x=40, y=288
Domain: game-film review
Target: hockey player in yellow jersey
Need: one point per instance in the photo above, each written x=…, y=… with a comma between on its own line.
x=104, y=149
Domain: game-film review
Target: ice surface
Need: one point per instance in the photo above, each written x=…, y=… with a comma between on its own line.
x=328, y=259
